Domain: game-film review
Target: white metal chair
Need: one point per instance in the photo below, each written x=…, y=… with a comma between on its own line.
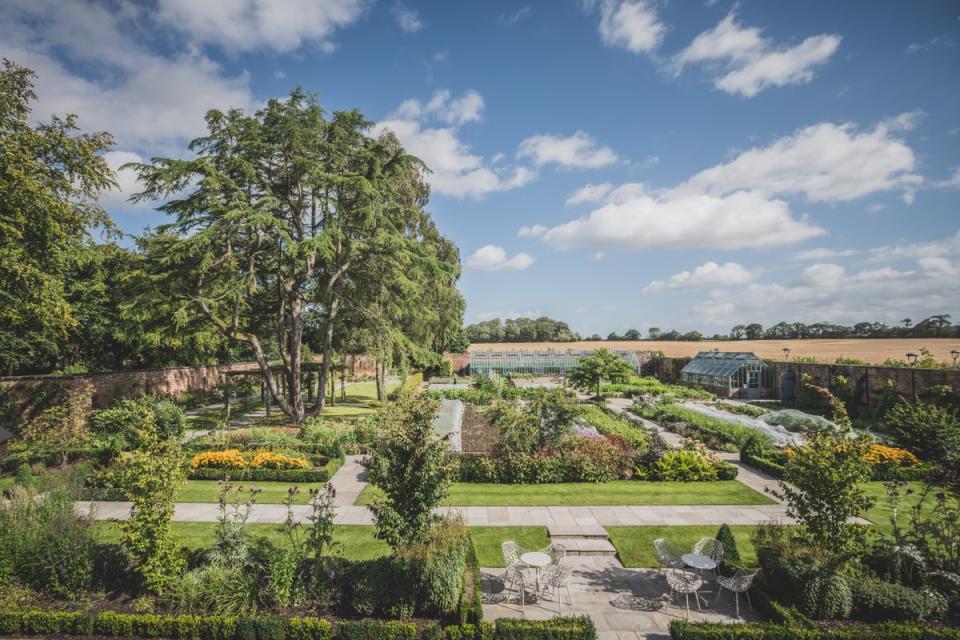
x=667, y=555
x=556, y=551
x=684, y=582
x=712, y=549
x=514, y=579
x=738, y=583
x=511, y=553
x=556, y=577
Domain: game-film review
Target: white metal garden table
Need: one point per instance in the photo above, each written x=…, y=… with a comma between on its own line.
x=537, y=560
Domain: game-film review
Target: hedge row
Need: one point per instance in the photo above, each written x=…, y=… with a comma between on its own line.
x=685, y=630
x=760, y=462
x=103, y=455
x=471, y=598
x=262, y=475
x=175, y=627
x=197, y=445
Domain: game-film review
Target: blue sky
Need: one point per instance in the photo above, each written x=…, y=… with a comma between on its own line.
x=613, y=163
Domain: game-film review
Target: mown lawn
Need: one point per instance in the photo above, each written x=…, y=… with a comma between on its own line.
x=635, y=544
x=620, y=492
x=881, y=512
x=273, y=492
x=358, y=541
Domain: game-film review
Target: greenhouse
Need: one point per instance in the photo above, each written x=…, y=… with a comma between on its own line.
x=547, y=362
x=729, y=373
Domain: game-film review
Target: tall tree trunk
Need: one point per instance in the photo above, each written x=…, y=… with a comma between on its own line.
x=376, y=376
x=327, y=357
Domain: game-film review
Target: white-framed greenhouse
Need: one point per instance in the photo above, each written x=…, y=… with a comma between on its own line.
x=542, y=362
x=729, y=373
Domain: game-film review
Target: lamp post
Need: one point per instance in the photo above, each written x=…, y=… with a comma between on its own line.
x=912, y=359
x=955, y=354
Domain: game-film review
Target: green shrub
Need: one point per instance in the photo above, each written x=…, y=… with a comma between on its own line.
x=686, y=630
x=24, y=477
x=876, y=600
x=411, y=385
x=932, y=432
x=559, y=628
x=478, y=631
x=684, y=465
x=128, y=422
x=373, y=630
x=770, y=461
x=826, y=597
x=731, y=556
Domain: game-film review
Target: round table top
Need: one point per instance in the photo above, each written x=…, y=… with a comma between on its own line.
x=535, y=559
x=698, y=561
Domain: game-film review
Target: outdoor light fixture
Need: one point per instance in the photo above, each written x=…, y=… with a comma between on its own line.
x=955, y=355
x=912, y=358
x=786, y=353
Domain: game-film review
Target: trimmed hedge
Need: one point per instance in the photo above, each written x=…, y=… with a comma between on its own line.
x=103, y=455
x=685, y=630
x=470, y=610
x=177, y=627
x=315, y=474
x=759, y=461
x=559, y=628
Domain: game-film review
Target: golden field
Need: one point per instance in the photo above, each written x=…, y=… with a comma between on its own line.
x=872, y=351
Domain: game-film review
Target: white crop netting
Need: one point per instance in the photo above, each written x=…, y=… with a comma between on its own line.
x=775, y=432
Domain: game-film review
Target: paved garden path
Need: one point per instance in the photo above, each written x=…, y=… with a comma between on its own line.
x=350, y=480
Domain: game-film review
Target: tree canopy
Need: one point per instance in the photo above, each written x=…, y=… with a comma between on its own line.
x=601, y=365
x=289, y=216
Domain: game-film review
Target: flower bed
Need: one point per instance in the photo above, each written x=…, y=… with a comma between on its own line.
x=234, y=459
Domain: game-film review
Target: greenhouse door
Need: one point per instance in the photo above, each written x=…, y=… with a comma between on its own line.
x=753, y=385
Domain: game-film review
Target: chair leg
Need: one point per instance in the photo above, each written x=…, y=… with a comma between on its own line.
x=736, y=597
x=697, y=596
x=747, y=593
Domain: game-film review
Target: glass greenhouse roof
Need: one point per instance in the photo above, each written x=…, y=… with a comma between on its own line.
x=720, y=363
x=537, y=362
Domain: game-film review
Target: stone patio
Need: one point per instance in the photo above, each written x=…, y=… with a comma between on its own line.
x=598, y=581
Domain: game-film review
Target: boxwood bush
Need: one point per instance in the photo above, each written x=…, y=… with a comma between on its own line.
x=686, y=630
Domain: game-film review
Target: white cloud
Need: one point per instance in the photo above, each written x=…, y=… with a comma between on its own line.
x=468, y=107
x=706, y=275
x=534, y=231
x=953, y=182
x=918, y=250
x=745, y=63
x=407, y=19
x=578, y=151
x=825, y=162
x=589, y=193
x=828, y=292
x=247, y=25
x=493, y=258
x=599, y=255
x=142, y=98
x=631, y=24
x=823, y=254
x=455, y=170
x=743, y=219
x=510, y=19
x=938, y=41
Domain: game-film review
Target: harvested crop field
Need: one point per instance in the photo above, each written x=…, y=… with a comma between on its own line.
x=874, y=351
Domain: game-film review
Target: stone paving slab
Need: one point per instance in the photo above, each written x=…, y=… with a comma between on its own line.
x=594, y=583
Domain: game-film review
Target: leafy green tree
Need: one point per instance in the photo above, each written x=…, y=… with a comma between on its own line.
x=287, y=212
x=932, y=432
x=412, y=466
x=601, y=365
x=823, y=488
x=50, y=175
x=149, y=478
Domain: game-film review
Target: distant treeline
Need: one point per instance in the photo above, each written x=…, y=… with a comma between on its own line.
x=548, y=330
x=541, y=329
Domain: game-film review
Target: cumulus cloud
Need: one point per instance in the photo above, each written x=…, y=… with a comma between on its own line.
x=589, y=193
x=706, y=275
x=508, y=314
x=143, y=98
x=407, y=19
x=493, y=258
x=431, y=131
x=744, y=62
x=630, y=24
x=829, y=292
x=579, y=151
x=126, y=180
x=825, y=162
x=534, y=231
x=823, y=254
x=743, y=219
x=246, y=25
x=917, y=250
